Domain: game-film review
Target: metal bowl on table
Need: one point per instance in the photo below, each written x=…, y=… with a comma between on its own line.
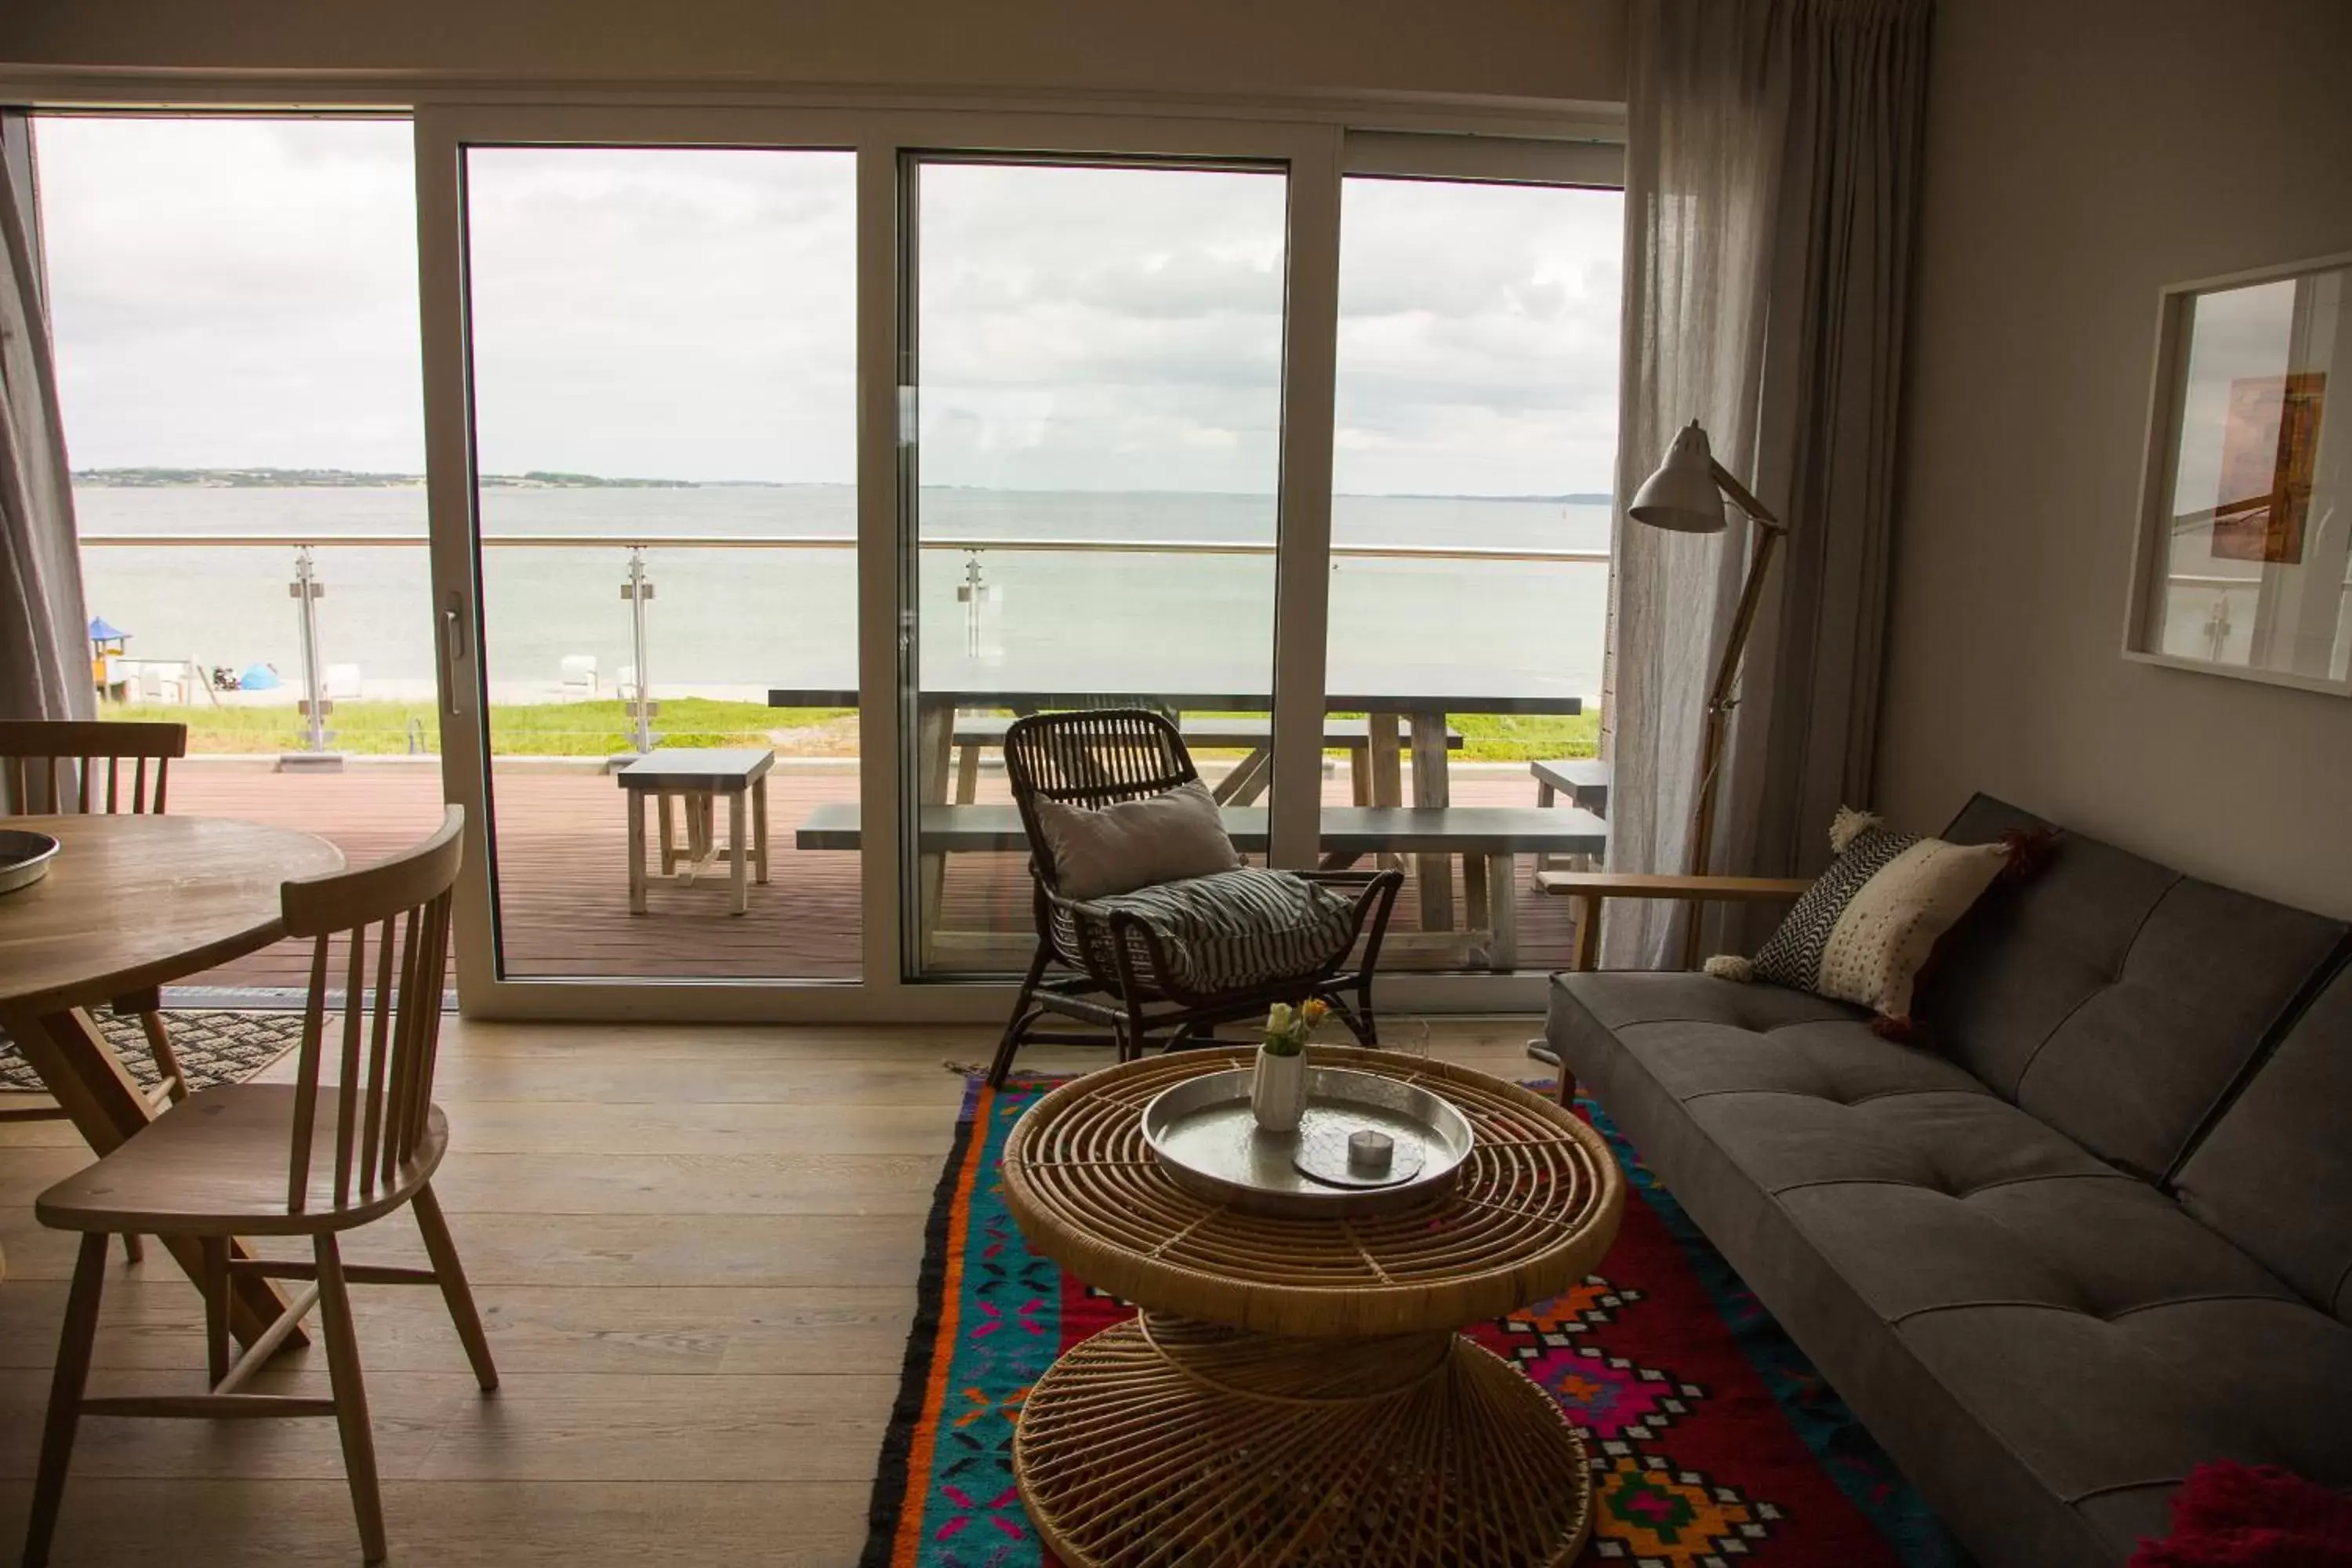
x=25, y=858
x=1205, y=1136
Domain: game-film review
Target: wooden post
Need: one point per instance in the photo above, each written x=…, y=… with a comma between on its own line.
x=1429, y=788
x=934, y=733
x=638, y=849
x=759, y=829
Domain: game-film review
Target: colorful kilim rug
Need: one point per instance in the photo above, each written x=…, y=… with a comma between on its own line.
x=1712, y=1439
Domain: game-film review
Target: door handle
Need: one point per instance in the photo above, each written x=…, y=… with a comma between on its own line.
x=453, y=650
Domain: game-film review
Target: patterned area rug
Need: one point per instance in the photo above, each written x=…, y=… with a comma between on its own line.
x=1712, y=1439
x=213, y=1047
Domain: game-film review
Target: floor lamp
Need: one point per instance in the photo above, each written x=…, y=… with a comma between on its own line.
x=1686, y=496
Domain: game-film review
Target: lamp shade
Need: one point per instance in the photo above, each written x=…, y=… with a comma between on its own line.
x=1681, y=495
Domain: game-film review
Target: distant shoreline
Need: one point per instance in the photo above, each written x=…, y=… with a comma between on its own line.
x=346, y=479
x=539, y=479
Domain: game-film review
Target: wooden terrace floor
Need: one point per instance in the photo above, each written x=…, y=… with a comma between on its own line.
x=562, y=844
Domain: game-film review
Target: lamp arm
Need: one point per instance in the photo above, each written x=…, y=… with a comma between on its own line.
x=1745, y=499
x=1726, y=675
x=1752, y=596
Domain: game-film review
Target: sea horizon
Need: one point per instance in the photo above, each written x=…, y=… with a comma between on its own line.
x=730, y=620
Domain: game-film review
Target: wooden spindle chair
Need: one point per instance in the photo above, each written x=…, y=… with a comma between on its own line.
x=325, y=1154
x=70, y=768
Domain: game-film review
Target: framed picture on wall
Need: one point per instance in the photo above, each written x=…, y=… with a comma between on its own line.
x=2245, y=559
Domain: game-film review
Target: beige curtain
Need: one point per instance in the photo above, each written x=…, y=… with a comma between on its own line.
x=1770, y=173
x=44, y=646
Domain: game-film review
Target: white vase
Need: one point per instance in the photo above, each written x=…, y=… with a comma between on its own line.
x=1278, y=1093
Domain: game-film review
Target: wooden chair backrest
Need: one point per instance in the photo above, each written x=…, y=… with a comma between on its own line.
x=75, y=766
x=1092, y=757
x=391, y=1029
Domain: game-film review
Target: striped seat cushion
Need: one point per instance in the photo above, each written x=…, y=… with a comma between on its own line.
x=1222, y=932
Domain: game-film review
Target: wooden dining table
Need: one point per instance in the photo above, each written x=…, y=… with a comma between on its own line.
x=132, y=903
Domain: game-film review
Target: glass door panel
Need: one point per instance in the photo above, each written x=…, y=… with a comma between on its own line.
x=1472, y=460
x=1091, y=491
x=663, y=358
x=233, y=304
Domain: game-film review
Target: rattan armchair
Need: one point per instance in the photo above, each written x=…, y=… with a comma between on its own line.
x=1120, y=987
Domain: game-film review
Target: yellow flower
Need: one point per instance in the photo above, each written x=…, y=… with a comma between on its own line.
x=1314, y=1011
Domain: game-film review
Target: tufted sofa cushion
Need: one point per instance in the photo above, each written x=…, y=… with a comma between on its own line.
x=2275, y=1172
x=2045, y=1342
x=2115, y=999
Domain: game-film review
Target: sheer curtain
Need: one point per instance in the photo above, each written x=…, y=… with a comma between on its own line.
x=44, y=646
x=1771, y=163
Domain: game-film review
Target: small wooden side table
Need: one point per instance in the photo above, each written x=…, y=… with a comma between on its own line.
x=1296, y=1389
x=693, y=780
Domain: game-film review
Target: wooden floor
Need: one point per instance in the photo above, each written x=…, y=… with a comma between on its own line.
x=694, y=1251
x=562, y=844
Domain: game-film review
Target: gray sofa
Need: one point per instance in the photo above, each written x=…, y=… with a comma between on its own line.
x=2094, y=1226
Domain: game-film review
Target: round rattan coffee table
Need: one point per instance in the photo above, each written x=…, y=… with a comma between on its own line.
x=1294, y=1389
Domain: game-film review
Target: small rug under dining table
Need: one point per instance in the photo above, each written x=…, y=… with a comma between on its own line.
x=1712, y=1439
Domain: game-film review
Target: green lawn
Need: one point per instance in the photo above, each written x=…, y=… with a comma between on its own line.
x=599, y=729
x=517, y=729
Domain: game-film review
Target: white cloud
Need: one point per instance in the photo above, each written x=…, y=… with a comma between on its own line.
x=244, y=293
x=229, y=292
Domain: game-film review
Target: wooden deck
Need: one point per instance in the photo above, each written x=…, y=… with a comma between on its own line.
x=561, y=847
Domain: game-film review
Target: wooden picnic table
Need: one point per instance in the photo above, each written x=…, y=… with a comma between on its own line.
x=1488, y=838
x=1399, y=724
x=1253, y=736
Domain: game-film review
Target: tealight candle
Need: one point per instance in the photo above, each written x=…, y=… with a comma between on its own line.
x=1370, y=1152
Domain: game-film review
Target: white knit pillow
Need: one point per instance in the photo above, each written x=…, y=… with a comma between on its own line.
x=1136, y=843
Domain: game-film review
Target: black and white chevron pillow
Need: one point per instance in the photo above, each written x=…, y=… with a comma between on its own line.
x=1864, y=929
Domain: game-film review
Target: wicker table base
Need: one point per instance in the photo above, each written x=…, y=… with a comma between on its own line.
x=1165, y=1440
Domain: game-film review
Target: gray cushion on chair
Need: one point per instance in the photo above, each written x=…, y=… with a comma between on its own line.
x=1098, y=851
x=1224, y=932
x=2115, y=999
x=2275, y=1173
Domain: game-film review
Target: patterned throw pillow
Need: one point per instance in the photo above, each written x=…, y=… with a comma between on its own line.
x=1862, y=932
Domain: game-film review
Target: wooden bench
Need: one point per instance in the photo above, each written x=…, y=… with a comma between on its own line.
x=1254, y=734
x=1583, y=780
x=1487, y=837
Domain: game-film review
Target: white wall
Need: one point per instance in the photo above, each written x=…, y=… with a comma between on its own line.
x=1510, y=49
x=2079, y=156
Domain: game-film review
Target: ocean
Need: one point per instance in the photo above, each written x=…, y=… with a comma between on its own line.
x=734, y=621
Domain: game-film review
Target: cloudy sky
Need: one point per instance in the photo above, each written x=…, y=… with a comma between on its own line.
x=243, y=293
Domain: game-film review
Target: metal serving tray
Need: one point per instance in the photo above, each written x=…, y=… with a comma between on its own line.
x=24, y=858
x=1210, y=1144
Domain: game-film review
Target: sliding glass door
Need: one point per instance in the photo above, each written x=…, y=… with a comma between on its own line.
x=780, y=460
x=1473, y=455
x=1092, y=493
x=663, y=344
